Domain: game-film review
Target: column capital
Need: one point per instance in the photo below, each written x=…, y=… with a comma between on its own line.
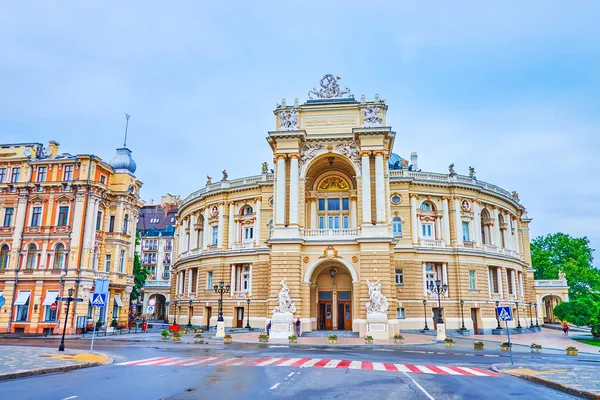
x=365, y=153
x=446, y=198
x=413, y=195
x=294, y=155
x=276, y=157
x=379, y=153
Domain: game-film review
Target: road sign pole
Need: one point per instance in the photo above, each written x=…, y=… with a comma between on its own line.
x=93, y=330
x=509, y=343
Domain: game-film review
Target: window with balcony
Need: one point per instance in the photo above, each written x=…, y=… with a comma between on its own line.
x=334, y=213
x=68, y=173
x=466, y=233
x=36, y=216
x=4, y=253
x=63, y=216
x=8, y=216
x=59, y=256
x=31, y=260
x=16, y=174
x=399, y=276
x=2, y=175
x=397, y=227
x=41, y=174
x=472, y=280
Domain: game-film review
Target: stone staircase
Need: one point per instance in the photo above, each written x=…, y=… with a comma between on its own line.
x=340, y=334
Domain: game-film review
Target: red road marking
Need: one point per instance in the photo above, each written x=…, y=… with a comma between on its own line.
x=413, y=368
x=300, y=362
x=437, y=370
x=321, y=364
x=258, y=361
x=237, y=360
x=344, y=364
x=390, y=367
x=462, y=372
x=483, y=371
x=367, y=365
x=280, y=361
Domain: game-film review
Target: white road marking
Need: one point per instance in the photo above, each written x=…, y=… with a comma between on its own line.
x=70, y=398
x=424, y=369
x=223, y=361
x=268, y=362
x=311, y=363
x=174, y=360
x=449, y=371
x=377, y=366
x=472, y=371
x=289, y=362
x=355, y=365
x=290, y=374
x=332, y=364
x=425, y=392
x=402, y=368
x=138, y=361
x=275, y=386
x=199, y=361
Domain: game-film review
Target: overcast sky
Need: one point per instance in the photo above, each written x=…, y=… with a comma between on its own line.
x=512, y=89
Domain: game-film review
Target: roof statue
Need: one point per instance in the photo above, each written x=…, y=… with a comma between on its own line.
x=208, y=180
x=515, y=195
x=451, y=170
x=472, y=172
x=286, y=305
x=265, y=168
x=404, y=163
x=225, y=175
x=330, y=89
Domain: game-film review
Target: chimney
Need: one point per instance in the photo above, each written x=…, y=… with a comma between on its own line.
x=53, y=148
x=413, y=161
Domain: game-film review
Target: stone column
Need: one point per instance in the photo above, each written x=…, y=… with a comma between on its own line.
x=521, y=288
x=231, y=235
x=424, y=271
x=445, y=221
x=366, y=188
x=221, y=225
x=457, y=216
x=353, y=218
x=414, y=228
x=257, y=223
x=496, y=229
x=189, y=281
x=294, y=199
x=477, y=223
x=379, y=188
x=499, y=278
x=515, y=235
x=513, y=282
x=313, y=214
x=280, y=192
x=445, y=277
x=205, y=230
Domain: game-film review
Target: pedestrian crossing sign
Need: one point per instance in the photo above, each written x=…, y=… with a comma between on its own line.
x=98, y=299
x=504, y=313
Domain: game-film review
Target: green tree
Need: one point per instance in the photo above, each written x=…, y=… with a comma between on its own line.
x=581, y=312
x=140, y=274
x=573, y=256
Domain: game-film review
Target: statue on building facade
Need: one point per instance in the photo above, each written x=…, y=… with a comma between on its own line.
x=515, y=195
x=350, y=150
x=330, y=89
x=378, y=304
x=309, y=151
x=265, y=168
x=451, y=170
x=472, y=172
x=225, y=175
x=286, y=305
x=288, y=121
x=371, y=116
x=208, y=180
x=404, y=163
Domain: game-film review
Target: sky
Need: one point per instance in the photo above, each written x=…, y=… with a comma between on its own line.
x=511, y=88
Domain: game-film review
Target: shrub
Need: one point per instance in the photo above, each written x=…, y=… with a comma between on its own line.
x=177, y=334
x=478, y=343
x=262, y=336
x=398, y=336
x=505, y=344
x=198, y=336
x=332, y=337
x=98, y=325
x=571, y=348
x=292, y=337
x=114, y=323
x=164, y=333
x=535, y=346
x=368, y=337
x=449, y=340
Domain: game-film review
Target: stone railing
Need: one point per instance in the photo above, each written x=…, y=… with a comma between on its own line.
x=234, y=183
x=433, y=243
x=326, y=233
x=243, y=245
x=432, y=176
x=550, y=283
x=6, y=230
x=158, y=284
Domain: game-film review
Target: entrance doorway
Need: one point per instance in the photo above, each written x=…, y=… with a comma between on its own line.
x=331, y=303
x=474, y=315
x=239, y=317
x=208, y=315
x=325, y=312
x=344, y=311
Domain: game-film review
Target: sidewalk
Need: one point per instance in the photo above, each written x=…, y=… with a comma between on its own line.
x=20, y=361
x=548, y=338
x=409, y=338
x=581, y=381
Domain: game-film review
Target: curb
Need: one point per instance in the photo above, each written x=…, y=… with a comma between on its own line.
x=551, y=384
x=43, y=371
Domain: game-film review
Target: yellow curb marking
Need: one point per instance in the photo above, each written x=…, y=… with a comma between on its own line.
x=532, y=372
x=82, y=357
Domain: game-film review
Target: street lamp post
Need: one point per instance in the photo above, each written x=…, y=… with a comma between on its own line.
x=530, y=316
x=462, y=315
x=425, y=314
x=69, y=300
x=496, y=312
x=518, y=319
x=438, y=289
x=221, y=289
x=248, y=311
x=537, y=323
x=190, y=312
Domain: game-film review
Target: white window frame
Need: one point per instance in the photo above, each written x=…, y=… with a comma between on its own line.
x=122, y=262
x=399, y=276
x=400, y=313
x=467, y=237
x=427, y=230
x=472, y=279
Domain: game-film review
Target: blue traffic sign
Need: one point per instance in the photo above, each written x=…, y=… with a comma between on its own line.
x=98, y=299
x=2, y=301
x=504, y=313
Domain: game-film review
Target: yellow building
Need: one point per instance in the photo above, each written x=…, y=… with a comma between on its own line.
x=341, y=209
x=67, y=220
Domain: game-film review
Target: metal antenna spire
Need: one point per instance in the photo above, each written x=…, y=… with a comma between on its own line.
x=126, y=126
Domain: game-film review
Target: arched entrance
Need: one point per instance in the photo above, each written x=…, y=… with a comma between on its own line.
x=331, y=296
x=159, y=308
x=549, y=303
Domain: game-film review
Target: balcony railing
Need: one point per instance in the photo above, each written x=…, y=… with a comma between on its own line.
x=330, y=233
x=6, y=230
x=234, y=183
x=550, y=283
x=439, y=244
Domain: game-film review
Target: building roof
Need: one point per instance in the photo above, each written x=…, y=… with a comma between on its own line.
x=155, y=220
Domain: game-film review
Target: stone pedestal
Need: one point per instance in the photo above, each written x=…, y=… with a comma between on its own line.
x=220, y=329
x=377, y=326
x=282, y=325
x=441, y=332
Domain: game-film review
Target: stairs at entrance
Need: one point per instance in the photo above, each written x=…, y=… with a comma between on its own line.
x=340, y=334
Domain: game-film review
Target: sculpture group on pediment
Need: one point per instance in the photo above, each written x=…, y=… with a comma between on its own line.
x=288, y=121
x=309, y=151
x=330, y=89
x=371, y=116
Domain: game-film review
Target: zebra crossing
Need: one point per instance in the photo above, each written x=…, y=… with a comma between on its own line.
x=307, y=363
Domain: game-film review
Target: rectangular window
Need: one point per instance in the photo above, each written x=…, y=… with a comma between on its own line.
x=111, y=224
x=493, y=280
x=8, y=216
x=399, y=276
x=472, y=281
x=321, y=204
x=321, y=222
x=346, y=222
x=334, y=222
x=22, y=303
x=215, y=235
x=325, y=296
x=333, y=204
x=2, y=175
x=400, y=313
x=122, y=262
x=63, y=215
x=344, y=296
x=209, y=280
x=49, y=315
x=103, y=179
x=99, y=221
x=465, y=231
x=16, y=173
x=107, y=263
x=248, y=233
x=68, y=173
x=36, y=216
x=345, y=204
x=429, y=276
x=246, y=278
x=41, y=174
x=427, y=230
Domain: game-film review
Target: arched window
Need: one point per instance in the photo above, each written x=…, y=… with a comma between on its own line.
x=485, y=226
x=4, y=256
x=247, y=210
x=31, y=257
x=502, y=229
x=397, y=227
x=59, y=256
x=200, y=231
x=126, y=224
x=427, y=206
x=333, y=203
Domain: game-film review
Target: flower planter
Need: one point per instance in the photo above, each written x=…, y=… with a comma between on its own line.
x=504, y=348
x=398, y=341
x=176, y=338
x=478, y=346
x=332, y=341
x=293, y=340
x=534, y=350
x=199, y=341
x=572, y=352
x=227, y=340
x=449, y=345
x=368, y=341
x=263, y=340
x=165, y=337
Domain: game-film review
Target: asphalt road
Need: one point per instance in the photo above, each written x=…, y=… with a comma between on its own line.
x=263, y=382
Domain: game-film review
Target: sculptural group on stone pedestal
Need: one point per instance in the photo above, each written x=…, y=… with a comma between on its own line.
x=286, y=305
x=377, y=304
